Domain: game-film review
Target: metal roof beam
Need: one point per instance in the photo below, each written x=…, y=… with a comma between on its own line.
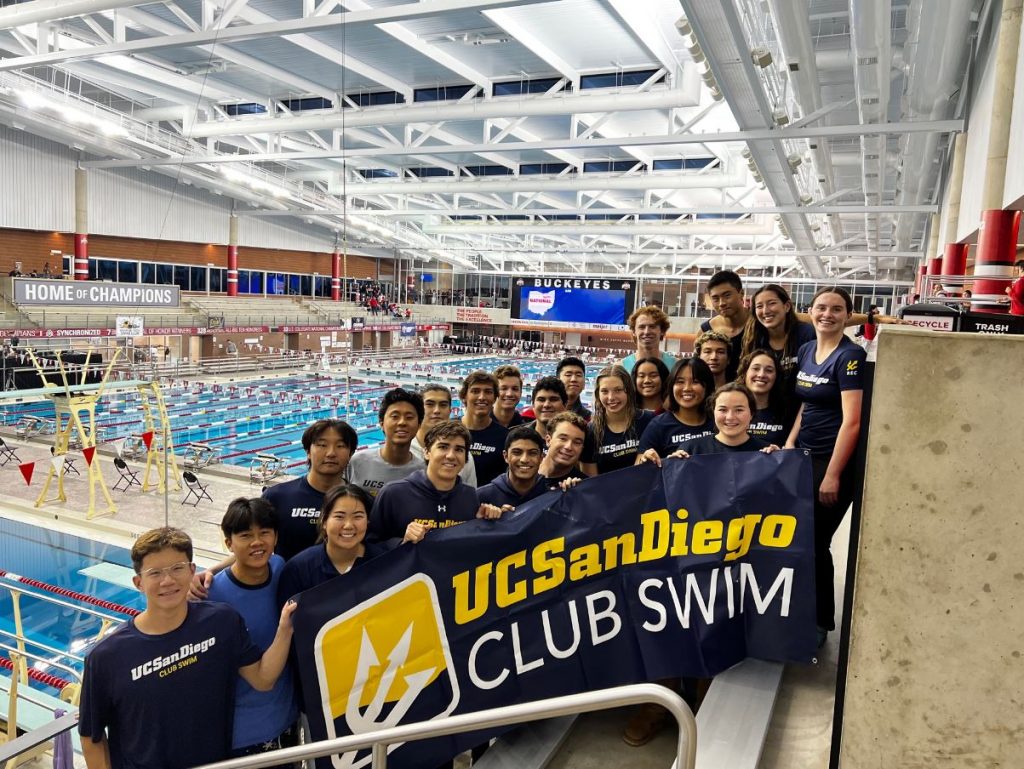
x=390, y=14
x=586, y=211
x=781, y=134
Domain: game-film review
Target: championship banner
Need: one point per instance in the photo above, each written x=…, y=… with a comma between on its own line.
x=638, y=575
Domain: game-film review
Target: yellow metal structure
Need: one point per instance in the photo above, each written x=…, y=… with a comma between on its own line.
x=76, y=423
x=161, y=447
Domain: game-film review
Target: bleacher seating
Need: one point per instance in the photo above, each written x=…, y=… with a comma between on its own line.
x=253, y=310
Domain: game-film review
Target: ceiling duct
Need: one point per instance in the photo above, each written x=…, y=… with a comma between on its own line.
x=936, y=53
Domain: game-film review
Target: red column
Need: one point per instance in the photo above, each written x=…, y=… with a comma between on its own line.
x=934, y=268
x=954, y=263
x=233, y=256
x=993, y=265
x=336, y=276
x=81, y=263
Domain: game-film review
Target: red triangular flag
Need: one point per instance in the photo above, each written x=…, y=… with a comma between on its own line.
x=87, y=453
x=26, y=470
x=147, y=438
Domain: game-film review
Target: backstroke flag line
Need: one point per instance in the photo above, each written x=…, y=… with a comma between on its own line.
x=637, y=575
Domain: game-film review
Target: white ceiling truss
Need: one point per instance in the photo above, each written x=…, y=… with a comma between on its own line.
x=641, y=137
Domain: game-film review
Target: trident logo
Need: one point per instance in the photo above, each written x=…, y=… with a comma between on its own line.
x=415, y=683
x=375, y=661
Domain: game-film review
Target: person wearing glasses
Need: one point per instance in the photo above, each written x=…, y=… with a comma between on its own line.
x=144, y=682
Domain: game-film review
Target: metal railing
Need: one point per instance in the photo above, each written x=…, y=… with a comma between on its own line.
x=378, y=741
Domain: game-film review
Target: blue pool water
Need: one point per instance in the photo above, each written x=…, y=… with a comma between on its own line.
x=243, y=419
x=58, y=559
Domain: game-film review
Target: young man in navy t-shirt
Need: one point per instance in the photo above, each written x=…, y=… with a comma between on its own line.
x=158, y=692
x=329, y=445
x=478, y=393
x=263, y=720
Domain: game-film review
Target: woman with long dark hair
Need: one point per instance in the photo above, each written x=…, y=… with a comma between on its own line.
x=685, y=418
x=774, y=325
x=829, y=385
x=617, y=423
x=650, y=378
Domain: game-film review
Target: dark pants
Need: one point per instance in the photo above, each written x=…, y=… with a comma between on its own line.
x=826, y=520
x=289, y=738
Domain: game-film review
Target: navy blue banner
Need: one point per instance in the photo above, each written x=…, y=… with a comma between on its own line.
x=637, y=575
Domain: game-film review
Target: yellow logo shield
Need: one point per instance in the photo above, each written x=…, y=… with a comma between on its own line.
x=377, y=658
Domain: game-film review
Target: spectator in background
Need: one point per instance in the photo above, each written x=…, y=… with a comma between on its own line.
x=1016, y=291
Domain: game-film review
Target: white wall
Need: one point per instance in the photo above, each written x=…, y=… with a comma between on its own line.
x=978, y=129
x=1014, y=189
x=37, y=192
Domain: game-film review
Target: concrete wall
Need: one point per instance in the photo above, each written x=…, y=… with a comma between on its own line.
x=936, y=671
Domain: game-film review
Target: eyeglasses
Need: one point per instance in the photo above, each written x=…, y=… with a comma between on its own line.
x=176, y=570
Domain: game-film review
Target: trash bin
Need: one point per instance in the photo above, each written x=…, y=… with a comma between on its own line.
x=934, y=317
x=991, y=323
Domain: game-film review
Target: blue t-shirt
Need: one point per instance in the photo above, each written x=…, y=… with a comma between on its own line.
x=665, y=433
x=313, y=567
x=167, y=701
x=259, y=716
x=630, y=360
x=769, y=427
x=709, y=444
x=619, y=450
x=297, y=508
x=486, y=448
x=803, y=333
x=819, y=386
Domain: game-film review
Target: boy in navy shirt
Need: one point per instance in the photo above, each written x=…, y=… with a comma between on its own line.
x=522, y=482
x=434, y=498
x=264, y=721
x=143, y=682
x=478, y=393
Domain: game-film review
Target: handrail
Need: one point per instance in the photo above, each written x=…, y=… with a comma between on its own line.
x=585, y=702
x=85, y=609
x=40, y=645
x=25, y=742
x=39, y=658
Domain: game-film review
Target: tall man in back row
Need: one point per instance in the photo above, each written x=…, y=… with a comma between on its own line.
x=648, y=325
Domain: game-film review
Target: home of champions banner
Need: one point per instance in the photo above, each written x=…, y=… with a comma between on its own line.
x=641, y=574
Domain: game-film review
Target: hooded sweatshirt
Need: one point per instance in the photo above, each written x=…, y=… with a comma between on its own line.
x=500, y=492
x=415, y=498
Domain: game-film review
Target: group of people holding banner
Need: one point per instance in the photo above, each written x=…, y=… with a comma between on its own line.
x=759, y=380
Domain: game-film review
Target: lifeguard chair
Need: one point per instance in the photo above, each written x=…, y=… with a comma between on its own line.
x=199, y=455
x=264, y=468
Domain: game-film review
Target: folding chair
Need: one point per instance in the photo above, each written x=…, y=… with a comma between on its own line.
x=128, y=476
x=196, y=488
x=7, y=454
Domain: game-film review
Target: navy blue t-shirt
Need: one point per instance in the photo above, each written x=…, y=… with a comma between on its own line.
x=487, y=447
x=709, y=444
x=166, y=701
x=517, y=419
x=313, y=567
x=665, y=433
x=619, y=450
x=820, y=386
x=579, y=408
x=297, y=508
x=259, y=716
x=803, y=333
x=769, y=427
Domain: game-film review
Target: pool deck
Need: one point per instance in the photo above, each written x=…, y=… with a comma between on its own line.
x=137, y=511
